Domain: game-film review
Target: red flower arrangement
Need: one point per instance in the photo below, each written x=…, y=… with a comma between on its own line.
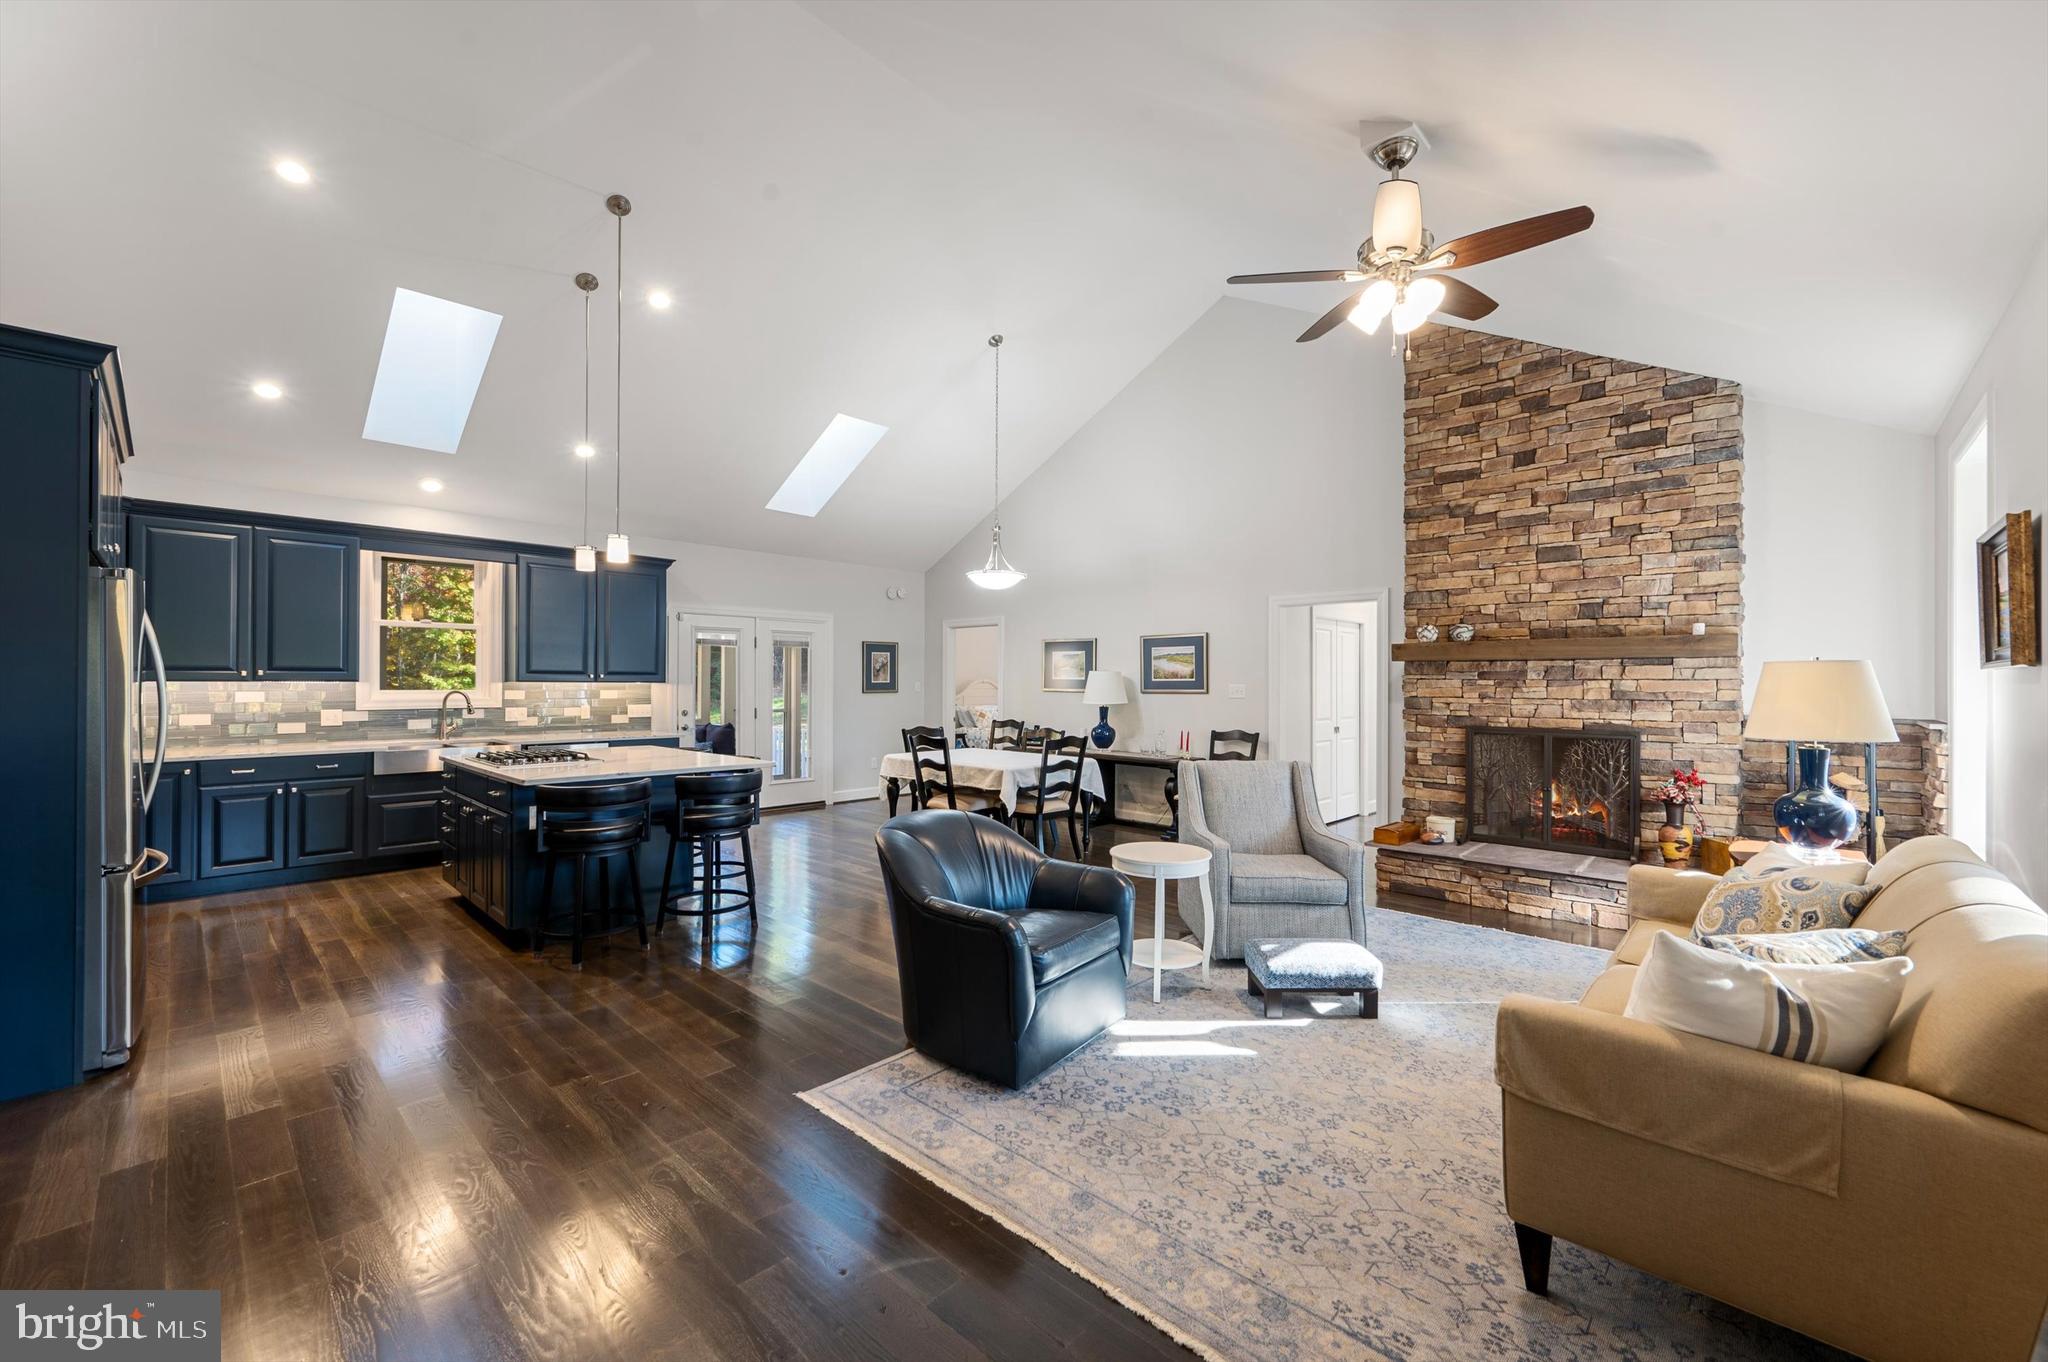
x=1685, y=790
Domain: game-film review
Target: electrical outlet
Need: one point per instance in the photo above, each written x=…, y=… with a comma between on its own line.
x=917, y=688
x=874, y=763
x=1237, y=690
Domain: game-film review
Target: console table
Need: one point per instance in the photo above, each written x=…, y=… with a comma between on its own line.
x=1168, y=762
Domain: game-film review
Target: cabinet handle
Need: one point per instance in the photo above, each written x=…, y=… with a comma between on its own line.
x=495, y=794
x=245, y=671
x=325, y=765
x=295, y=789
x=259, y=672
x=241, y=770
x=278, y=790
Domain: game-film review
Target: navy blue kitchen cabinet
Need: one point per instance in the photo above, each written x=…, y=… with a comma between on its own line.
x=306, y=626
x=170, y=824
x=324, y=821
x=241, y=828
x=405, y=815
x=632, y=616
x=197, y=580
x=554, y=625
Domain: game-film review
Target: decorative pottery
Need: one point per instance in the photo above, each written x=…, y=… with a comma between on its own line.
x=1814, y=816
x=1102, y=734
x=1674, y=839
x=1461, y=633
x=1425, y=633
x=1440, y=830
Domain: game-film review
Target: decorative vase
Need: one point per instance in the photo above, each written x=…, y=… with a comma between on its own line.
x=1102, y=733
x=1674, y=839
x=1814, y=816
x=1425, y=633
x=1461, y=633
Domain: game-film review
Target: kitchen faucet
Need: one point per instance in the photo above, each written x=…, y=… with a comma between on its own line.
x=467, y=708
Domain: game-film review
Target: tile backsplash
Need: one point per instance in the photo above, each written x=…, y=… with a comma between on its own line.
x=226, y=713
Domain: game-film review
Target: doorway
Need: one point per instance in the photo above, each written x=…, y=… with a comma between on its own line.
x=769, y=676
x=1327, y=702
x=972, y=687
x=1969, y=689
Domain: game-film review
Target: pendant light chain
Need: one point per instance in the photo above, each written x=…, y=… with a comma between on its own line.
x=619, y=383
x=586, y=418
x=996, y=342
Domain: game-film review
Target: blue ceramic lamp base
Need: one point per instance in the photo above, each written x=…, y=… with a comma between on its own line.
x=1814, y=816
x=1102, y=733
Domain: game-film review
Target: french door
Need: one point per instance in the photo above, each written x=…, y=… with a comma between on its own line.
x=769, y=677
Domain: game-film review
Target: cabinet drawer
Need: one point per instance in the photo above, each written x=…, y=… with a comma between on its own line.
x=404, y=823
x=497, y=794
x=244, y=770
x=411, y=783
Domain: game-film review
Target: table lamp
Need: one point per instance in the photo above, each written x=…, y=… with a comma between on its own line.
x=1105, y=689
x=1806, y=706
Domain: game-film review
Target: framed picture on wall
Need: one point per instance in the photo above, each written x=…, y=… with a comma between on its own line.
x=2009, y=593
x=1174, y=663
x=878, y=668
x=1066, y=663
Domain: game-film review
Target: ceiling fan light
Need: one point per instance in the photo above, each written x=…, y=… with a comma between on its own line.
x=1423, y=297
x=1397, y=217
x=1373, y=307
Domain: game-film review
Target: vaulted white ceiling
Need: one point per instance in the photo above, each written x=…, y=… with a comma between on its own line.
x=1828, y=203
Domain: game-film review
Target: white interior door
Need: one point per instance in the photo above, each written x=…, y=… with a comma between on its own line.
x=1335, y=715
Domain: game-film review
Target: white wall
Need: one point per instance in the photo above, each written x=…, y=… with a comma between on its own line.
x=2011, y=378
x=1238, y=466
x=1842, y=546
x=865, y=726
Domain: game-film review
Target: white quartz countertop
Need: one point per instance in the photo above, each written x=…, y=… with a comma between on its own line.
x=622, y=763
x=297, y=746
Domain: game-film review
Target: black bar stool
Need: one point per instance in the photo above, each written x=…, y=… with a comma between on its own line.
x=582, y=824
x=711, y=810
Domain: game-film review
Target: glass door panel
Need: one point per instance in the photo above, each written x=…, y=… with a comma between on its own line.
x=789, y=708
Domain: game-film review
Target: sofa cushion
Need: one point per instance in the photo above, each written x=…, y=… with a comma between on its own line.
x=1782, y=901
x=1636, y=944
x=1609, y=992
x=1062, y=941
x=1981, y=1040
x=1831, y=1015
x=1829, y=946
x=1250, y=804
x=1292, y=878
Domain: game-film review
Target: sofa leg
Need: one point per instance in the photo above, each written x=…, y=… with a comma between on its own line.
x=1368, y=1003
x=1535, y=1249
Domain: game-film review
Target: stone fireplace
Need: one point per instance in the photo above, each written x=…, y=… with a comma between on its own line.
x=1573, y=790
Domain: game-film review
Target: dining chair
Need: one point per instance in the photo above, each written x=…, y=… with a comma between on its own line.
x=1233, y=744
x=1036, y=738
x=1058, y=792
x=929, y=731
x=932, y=785
x=1006, y=735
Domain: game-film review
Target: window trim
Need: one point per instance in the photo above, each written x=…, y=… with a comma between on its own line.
x=489, y=627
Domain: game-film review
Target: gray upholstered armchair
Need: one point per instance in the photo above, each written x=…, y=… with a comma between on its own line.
x=1274, y=869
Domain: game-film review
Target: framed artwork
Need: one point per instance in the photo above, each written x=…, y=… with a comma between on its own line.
x=878, y=668
x=1174, y=663
x=1066, y=663
x=2009, y=593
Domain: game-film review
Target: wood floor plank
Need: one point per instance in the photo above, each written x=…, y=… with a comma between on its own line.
x=127, y=1248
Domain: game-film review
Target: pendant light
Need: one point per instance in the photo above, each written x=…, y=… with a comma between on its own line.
x=997, y=574
x=586, y=555
x=616, y=547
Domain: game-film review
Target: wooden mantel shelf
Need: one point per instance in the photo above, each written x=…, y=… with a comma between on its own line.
x=1713, y=643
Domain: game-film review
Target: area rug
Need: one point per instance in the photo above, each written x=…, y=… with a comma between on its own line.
x=1310, y=1187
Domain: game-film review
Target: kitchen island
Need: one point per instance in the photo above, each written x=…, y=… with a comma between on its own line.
x=490, y=848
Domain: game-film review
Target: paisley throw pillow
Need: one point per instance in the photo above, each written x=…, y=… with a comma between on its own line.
x=1829, y=946
x=1785, y=901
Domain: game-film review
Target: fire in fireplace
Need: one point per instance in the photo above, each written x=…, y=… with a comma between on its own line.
x=1562, y=789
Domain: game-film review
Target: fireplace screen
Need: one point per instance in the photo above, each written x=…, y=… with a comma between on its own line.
x=1569, y=790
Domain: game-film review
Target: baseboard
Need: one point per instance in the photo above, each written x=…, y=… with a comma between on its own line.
x=858, y=792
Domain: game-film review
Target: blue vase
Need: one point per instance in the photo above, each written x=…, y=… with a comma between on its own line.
x=1814, y=816
x=1103, y=734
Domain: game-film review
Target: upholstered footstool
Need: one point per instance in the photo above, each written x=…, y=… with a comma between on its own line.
x=1280, y=966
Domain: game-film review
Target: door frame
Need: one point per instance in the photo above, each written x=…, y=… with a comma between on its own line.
x=946, y=678
x=821, y=674
x=1378, y=649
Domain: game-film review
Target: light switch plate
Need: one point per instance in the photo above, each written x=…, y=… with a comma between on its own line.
x=1237, y=690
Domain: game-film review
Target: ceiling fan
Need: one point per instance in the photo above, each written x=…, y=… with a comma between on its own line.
x=1402, y=267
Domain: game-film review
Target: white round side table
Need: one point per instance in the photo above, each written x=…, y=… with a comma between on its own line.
x=1163, y=861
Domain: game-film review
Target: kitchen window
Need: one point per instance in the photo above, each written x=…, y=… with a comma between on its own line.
x=430, y=625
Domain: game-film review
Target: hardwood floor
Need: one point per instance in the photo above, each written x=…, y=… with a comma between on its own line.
x=382, y=1132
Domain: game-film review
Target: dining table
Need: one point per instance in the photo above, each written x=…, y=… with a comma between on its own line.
x=1003, y=772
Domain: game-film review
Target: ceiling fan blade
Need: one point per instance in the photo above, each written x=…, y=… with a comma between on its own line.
x=1294, y=277
x=1332, y=317
x=1508, y=238
x=1462, y=300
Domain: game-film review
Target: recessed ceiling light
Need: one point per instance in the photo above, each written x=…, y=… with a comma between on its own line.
x=586, y=451
x=291, y=172
x=661, y=300
x=430, y=484
x=434, y=357
x=827, y=465
x=266, y=390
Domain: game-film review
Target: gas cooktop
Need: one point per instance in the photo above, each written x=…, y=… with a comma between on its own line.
x=531, y=756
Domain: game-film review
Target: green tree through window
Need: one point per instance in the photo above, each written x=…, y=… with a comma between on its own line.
x=426, y=627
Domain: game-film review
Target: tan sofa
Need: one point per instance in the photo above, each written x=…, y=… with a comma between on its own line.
x=1900, y=1213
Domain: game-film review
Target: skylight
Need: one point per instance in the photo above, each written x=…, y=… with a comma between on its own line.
x=829, y=464
x=433, y=360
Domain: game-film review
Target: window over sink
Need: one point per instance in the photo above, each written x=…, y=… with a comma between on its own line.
x=430, y=625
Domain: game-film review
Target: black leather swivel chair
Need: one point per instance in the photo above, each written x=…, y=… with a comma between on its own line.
x=1009, y=961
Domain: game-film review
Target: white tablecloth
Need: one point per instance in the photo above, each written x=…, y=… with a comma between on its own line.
x=982, y=768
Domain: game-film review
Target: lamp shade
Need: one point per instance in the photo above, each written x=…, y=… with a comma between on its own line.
x=1106, y=688
x=1817, y=701
x=1397, y=217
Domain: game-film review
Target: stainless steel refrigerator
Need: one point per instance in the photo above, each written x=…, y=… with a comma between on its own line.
x=121, y=780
